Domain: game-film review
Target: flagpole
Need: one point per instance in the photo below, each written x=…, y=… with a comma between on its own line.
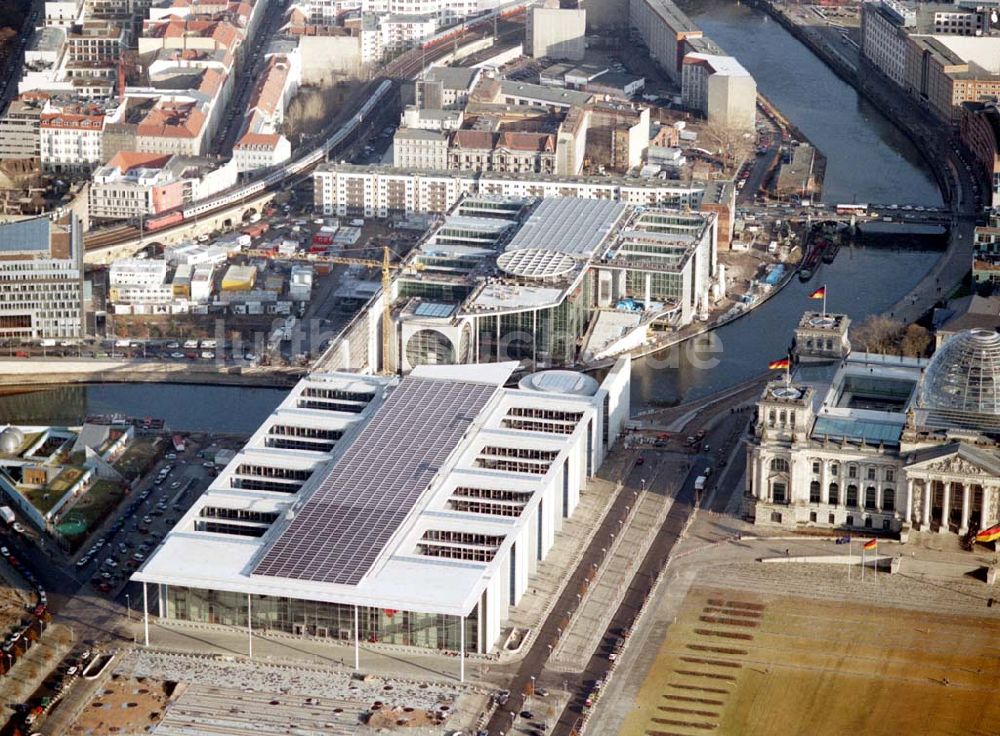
x=824, y=301
x=850, y=555
x=862, y=562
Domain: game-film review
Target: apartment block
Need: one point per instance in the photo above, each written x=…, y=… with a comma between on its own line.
x=941, y=55
x=980, y=131
x=41, y=279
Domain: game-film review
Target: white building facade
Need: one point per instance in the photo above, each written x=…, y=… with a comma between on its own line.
x=345, y=189
x=883, y=37
x=70, y=142
x=439, y=566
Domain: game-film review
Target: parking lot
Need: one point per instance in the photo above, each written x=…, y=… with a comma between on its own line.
x=152, y=509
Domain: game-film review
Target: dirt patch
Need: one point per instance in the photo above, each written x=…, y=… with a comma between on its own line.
x=819, y=667
x=313, y=106
x=13, y=601
x=398, y=718
x=125, y=706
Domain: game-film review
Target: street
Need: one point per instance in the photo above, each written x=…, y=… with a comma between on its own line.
x=650, y=471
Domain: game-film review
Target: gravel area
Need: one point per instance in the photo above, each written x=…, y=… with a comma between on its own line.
x=280, y=678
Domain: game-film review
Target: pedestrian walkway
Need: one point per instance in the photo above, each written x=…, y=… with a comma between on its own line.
x=570, y=541
x=605, y=592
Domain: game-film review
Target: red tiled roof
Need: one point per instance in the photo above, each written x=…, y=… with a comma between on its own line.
x=521, y=141
x=128, y=160
x=71, y=120
x=270, y=140
x=225, y=34
x=474, y=139
x=211, y=82
x=174, y=120
x=269, y=91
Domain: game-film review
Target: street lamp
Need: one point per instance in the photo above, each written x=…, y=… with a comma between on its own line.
x=128, y=607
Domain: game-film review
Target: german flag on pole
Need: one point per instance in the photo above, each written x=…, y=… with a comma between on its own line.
x=871, y=544
x=778, y=365
x=820, y=293
x=989, y=535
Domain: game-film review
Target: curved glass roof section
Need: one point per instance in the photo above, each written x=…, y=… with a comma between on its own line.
x=964, y=374
x=536, y=263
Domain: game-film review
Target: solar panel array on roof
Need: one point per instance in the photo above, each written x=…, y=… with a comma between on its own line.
x=343, y=527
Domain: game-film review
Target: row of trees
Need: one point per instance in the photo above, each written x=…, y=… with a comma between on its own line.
x=881, y=334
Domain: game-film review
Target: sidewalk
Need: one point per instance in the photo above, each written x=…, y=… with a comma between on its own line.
x=570, y=542
x=586, y=628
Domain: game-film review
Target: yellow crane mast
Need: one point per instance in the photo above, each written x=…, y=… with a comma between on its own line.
x=385, y=265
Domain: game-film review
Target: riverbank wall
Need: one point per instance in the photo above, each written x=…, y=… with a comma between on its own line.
x=870, y=85
x=657, y=347
x=21, y=373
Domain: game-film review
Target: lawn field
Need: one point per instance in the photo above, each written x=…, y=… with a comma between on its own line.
x=740, y=663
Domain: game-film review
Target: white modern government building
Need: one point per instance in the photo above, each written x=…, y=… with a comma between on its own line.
x=411, y=510
x=865, y=441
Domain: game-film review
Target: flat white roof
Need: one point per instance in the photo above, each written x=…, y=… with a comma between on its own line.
x=725, y=65
x=981, y=50
x=511, y=297
x=402, y=575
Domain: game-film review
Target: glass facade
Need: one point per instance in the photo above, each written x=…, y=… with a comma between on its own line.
x=315, y=618
x=441, y=292
x=429, y=347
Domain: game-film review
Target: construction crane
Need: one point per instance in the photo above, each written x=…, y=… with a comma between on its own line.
x=385, y=265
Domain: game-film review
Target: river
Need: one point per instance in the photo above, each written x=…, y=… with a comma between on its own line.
x=869, y=160
x=219, y=409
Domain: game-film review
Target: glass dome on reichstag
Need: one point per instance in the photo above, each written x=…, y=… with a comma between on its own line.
x=964, y=375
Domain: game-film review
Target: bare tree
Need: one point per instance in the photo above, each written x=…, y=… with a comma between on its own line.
x=915, y=341
x=878, y=334
x=731, y=145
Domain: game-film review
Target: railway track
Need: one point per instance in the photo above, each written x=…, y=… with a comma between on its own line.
x=347, y=125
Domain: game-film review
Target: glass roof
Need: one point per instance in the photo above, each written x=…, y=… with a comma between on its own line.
x=857, y=429
x=964, y=374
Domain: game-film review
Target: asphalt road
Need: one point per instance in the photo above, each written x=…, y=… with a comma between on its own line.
x=639, y=588
x=534, y=661
x=247, y=78
x=758, y=174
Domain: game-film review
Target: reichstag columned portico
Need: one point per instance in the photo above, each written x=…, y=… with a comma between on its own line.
x=879, y=442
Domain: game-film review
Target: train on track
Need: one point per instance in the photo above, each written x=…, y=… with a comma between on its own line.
x=474, y=24
x=296, y=166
